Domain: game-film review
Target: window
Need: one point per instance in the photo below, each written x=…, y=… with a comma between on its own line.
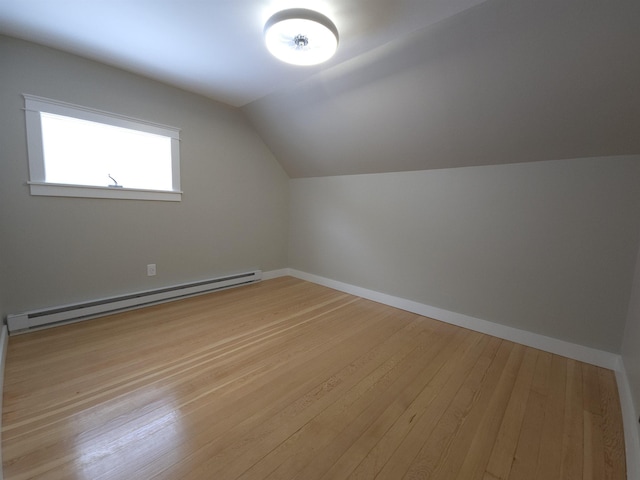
x=80, y=152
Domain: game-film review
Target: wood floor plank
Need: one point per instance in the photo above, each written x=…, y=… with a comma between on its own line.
x=613, y=436
x=550, y=456
x=478, y=455
x=351, y=454
x=188, y=396
x=134, y=360
x=388, y=443
x=163, y=371
x=593, y=454
x=503, y=452
x=527, y=452
x=203, y=442
x=288, y=459
x=453, y=376
x=438, y=441
x=287, y=379
x=451, y=462
x=572, y=439
x=266, y=432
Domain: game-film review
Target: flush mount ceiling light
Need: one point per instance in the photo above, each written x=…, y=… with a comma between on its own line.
x=301, y=37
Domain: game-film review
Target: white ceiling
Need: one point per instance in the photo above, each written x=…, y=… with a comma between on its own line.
x=415, y=84
x=211, y=47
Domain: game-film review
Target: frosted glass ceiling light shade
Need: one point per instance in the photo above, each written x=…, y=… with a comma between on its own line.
x=301, y=37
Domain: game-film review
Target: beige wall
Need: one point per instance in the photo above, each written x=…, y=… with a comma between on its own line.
x=631, y=342
x=3, y=310
x=233, y=215
x=547, y=247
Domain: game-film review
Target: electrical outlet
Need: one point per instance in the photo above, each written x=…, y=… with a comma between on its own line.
x=151, y=270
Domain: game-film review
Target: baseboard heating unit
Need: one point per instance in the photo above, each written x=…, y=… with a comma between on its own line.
x=38, y=319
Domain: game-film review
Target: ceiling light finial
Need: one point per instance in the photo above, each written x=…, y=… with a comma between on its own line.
x=301, y=37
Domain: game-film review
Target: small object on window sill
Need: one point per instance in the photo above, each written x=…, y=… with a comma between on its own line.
x=114, y=181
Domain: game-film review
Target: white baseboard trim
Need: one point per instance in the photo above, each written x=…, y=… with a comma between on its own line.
x=283, y=272
x=629, y=420
x=581, y=353
x=4, y=344
x=548, y=344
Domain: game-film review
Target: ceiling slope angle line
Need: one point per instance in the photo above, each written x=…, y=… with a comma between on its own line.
x=506, y=82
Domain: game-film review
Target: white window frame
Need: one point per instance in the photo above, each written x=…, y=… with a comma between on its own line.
x=37, y=182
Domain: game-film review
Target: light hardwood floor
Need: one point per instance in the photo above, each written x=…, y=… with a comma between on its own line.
x=287, y=379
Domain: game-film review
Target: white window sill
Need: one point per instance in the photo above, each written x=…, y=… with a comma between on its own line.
x=86, y=191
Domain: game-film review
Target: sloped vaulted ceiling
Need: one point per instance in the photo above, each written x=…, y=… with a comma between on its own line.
x=415, y=84
x=506, y=81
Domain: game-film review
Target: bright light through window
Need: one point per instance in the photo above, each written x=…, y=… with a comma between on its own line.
x=76, y=151
x=80, y=152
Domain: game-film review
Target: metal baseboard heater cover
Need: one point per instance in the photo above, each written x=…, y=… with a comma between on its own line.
x=39, y=319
